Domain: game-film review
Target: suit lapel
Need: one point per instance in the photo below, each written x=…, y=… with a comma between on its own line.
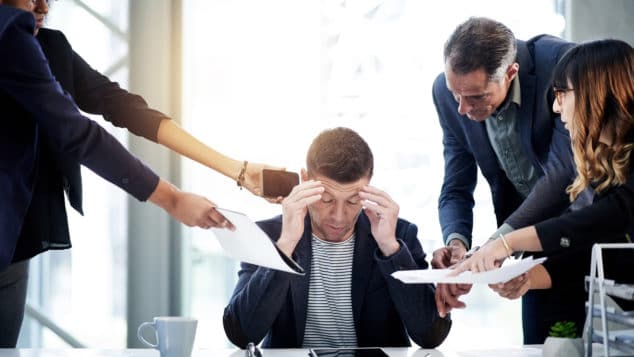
x=364, y=247
x=299, y=284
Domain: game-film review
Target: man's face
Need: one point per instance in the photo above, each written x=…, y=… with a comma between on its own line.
x=334, y=216
x=476, y=95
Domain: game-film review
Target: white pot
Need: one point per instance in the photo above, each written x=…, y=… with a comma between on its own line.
x=560, y=347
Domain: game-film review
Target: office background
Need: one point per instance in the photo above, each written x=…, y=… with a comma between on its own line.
x=257, y=80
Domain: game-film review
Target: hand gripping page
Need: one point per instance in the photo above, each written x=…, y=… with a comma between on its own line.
x=248, y=243
x=506, y=272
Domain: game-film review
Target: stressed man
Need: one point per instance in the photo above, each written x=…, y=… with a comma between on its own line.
x=348, y=237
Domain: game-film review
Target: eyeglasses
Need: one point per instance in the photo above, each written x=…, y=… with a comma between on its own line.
x=560, y=93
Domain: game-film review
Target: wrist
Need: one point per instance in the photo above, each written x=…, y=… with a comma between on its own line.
x=457, y=243
x=390, y=248
x=164, y=195
x=287, y=245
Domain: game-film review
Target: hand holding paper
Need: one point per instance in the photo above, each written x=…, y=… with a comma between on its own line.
x=503, y=274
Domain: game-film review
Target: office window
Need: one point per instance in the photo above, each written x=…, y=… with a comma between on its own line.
x=262, y=78
x=83, y=290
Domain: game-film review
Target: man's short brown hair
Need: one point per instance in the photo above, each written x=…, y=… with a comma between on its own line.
x=340, y=154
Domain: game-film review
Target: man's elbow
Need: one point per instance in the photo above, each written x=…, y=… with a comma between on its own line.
x=435, y=335
x=233, y=330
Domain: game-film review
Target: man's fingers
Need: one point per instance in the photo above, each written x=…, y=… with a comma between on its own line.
x=441, y=258
x=440, y=302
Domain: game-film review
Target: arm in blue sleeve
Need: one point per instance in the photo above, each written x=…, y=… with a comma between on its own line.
x=26, y=77
x=255, y=304
x=455, y=204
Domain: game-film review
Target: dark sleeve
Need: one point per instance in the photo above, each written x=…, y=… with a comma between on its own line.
x=25, y=76
x=609, y=216
x=455, y=204
x=414, y=302
x=96, y=94
x=255, y=303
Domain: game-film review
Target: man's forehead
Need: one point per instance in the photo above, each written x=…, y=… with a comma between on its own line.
x=334, y=187
x=469, y=83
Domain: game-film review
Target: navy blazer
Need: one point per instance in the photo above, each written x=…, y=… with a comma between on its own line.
x=93, y=93
x=467, y=146
x=32, y=105
x=271, y=305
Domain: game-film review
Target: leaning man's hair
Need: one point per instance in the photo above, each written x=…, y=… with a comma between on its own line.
x=340, y=154
x=481, y=43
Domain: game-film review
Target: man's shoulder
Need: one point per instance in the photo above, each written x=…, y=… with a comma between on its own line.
x=548, y=40
x=406, y=229
x=548, y=45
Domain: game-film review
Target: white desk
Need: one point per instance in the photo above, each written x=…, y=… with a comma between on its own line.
x=520, y=351
x=393, y=352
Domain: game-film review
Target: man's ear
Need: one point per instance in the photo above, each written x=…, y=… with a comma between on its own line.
x=512, y=71
x=304, y=175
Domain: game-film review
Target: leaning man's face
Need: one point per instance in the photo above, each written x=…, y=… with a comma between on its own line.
x=334, y=216
x=477, y=96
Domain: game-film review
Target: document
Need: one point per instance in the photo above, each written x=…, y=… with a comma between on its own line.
x=248, y=243
x=509, y=270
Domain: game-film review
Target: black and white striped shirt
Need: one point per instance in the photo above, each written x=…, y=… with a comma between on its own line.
x=329, y=321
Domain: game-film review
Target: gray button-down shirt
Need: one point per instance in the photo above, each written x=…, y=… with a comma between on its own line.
x=503, y=130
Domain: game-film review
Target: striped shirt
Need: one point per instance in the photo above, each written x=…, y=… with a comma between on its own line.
x=329, y=321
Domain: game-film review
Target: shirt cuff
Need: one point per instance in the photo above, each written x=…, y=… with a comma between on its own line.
x=401, y=260
x=459, y=237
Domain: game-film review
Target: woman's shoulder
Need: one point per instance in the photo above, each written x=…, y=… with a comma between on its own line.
x=46, y=35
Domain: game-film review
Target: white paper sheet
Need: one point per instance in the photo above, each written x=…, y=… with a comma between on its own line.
x=248, y=243
x=509, y=270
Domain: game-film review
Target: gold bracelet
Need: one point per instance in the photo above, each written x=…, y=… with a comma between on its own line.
x=509, y=252
x=240, y=179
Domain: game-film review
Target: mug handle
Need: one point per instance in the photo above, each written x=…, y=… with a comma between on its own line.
x=138, y=334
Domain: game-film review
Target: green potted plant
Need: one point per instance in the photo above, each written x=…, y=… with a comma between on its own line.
x=564, y=340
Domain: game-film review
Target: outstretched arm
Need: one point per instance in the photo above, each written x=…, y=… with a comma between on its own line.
x=172, y=136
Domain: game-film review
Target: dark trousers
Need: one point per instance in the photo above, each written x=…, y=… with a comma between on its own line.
x=13, y=284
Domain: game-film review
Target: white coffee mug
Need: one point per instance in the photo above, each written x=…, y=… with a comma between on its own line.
x=174, y=335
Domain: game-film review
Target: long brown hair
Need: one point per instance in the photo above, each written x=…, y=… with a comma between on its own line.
x=601, y=74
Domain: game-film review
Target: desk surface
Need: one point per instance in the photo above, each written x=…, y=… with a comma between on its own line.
x=392, y=352
x=519, y=351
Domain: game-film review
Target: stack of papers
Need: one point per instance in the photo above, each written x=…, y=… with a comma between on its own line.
x=508, y=271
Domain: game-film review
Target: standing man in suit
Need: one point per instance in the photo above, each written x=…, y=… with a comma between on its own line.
x=494, y=106
x=40, y=121
x=348, y=237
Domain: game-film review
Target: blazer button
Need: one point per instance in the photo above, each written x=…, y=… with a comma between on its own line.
x=564, y=242
x=125, y=180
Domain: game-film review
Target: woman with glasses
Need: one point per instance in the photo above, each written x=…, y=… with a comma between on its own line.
x=594, y=93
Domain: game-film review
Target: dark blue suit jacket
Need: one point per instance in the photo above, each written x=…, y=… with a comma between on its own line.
x=32, y=105
x=271, y=305
x=466, y=142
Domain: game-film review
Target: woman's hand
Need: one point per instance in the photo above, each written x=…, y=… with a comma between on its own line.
x=188, y=208
x=488, y=257
x=253, y=179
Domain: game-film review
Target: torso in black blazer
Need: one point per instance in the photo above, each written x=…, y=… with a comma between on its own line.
x=34, y=112
x=46, y=225
x=271, y=305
